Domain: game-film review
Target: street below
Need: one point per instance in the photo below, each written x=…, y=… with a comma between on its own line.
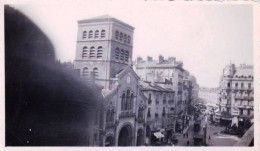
x=214, y=136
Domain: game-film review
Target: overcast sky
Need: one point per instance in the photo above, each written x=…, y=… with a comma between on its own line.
x=204, y=37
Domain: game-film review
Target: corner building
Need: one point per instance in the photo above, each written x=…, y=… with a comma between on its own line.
x=236, y=95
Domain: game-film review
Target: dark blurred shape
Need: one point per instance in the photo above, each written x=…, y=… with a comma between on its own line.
x=46, y=103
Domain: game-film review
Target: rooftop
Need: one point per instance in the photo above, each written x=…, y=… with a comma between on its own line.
x=160, y=63
x=153, y=87
x=104, y=18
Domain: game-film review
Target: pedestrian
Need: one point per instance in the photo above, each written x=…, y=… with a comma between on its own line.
x=209, y=137
x=187, y=135
x=188, y=143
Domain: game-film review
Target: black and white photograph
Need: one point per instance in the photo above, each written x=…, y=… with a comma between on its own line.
x=129, y=74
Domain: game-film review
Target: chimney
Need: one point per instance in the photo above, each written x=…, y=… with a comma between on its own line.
x=172, y=59
x=149, y=59
x=139, y=59
x=160, y=58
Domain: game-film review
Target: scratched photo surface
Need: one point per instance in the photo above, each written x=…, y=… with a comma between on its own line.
x=124, y=74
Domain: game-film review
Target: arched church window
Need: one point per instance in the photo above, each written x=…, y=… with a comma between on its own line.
x=121, y=36
x=131, y=101
x=117, y=35
x=85, y=72
x=126, y=55
x=84, y=34
x=99, y=52
x=128, y=99
x=122, y=55
x=108, y=116
x=117, y=53
x=96, y=34
x=128, y=39
x=125, y=38
x=90, y=34
x=103, y=33
x=123, y=102
x=95, y=71
x=140, y=113
x=92, y=53
x=85, y=52
x=112, y=115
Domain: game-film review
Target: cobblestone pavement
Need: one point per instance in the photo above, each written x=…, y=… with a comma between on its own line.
x=216, y=138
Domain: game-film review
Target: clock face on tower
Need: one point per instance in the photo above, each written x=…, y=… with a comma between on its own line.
x=128, y=79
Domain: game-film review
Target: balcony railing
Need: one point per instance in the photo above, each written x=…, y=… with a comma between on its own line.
x=125, y=114
x=244, y=97
x=249, y=97
x=237, y=88
x=240, y=88
x=246, y=106
x=246, y=116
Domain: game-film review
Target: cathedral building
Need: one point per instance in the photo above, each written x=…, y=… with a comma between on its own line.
x=103, y=55
x=137, y=108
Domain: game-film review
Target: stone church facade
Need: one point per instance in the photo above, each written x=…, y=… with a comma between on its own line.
x=104, y=57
